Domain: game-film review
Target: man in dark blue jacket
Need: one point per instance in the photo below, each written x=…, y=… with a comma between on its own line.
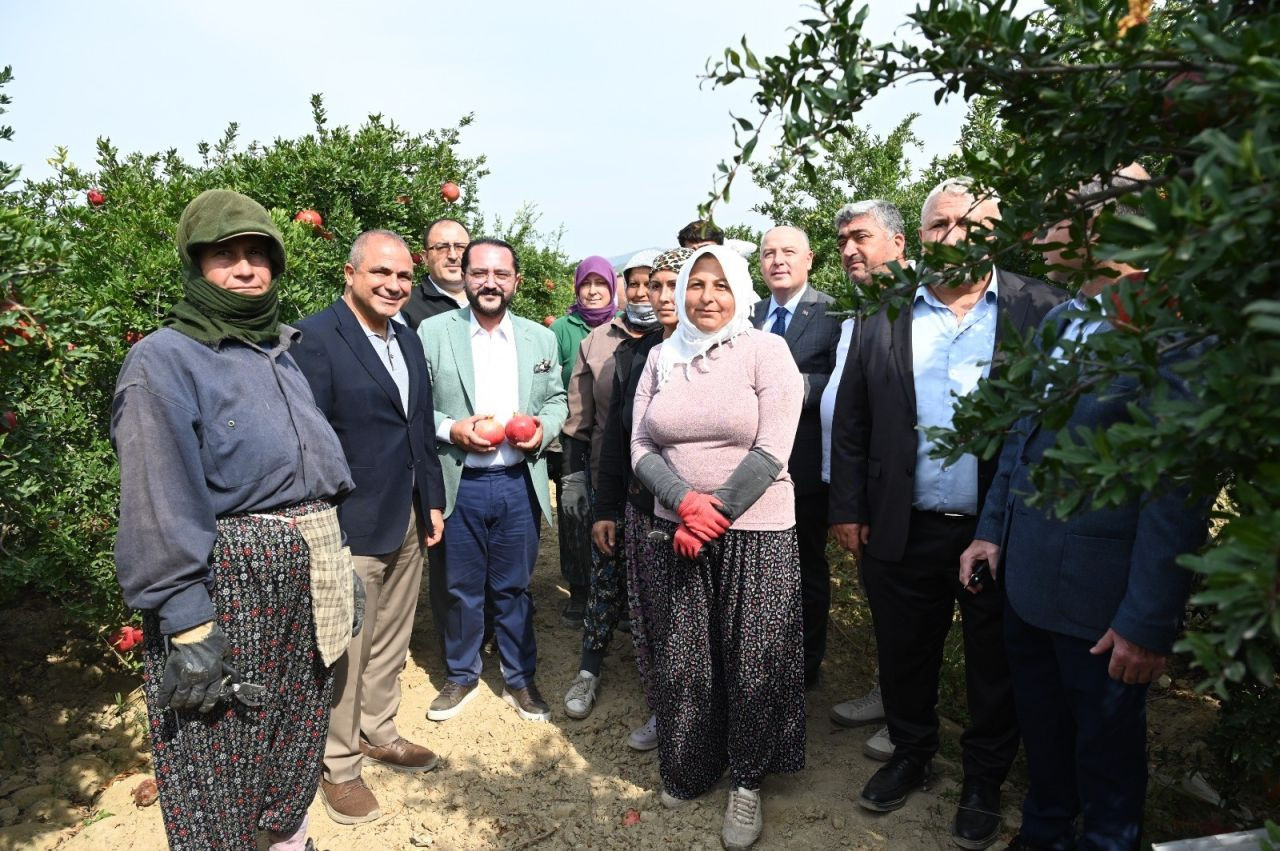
x=1094, y=601
x=369, y=377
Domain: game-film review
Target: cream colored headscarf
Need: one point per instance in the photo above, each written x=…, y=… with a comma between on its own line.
x=688, y=343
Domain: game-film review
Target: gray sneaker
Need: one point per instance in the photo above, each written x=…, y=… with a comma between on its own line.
x=644, y=737
x=743, y=819
x=527, y=702
x=450, y=700
x=581, y=696
x=879, y=746
x=868, y=709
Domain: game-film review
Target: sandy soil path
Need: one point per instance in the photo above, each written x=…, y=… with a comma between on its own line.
x=511, y=784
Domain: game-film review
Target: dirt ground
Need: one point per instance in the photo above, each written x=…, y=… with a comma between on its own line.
x=503, y=783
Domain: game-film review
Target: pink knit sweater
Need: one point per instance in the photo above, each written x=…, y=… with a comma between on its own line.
x=746, y=393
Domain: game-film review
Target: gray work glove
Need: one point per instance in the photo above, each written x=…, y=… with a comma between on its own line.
x=664, y=483
x=358, y=600
x=573, y=497
x=197, y=673
x=747, y=483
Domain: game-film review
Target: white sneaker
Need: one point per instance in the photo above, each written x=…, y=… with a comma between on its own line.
x=879, y=746
x=743, y=819
x=867, y=709
x=581, y=696
x=644, y=737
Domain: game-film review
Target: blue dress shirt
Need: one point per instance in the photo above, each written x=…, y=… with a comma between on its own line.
x=948, y=358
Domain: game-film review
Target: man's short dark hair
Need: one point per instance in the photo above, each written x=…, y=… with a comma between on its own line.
x=426, y=232
x=699, y=231
x=501, y=243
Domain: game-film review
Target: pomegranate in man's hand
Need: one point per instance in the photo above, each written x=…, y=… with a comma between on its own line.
x=521, y=428
x=489, y=429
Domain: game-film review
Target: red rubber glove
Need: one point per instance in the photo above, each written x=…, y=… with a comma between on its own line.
x=698, y=511
x=685, y=544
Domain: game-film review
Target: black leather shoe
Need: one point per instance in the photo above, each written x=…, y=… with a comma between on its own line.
x=888, y=788
x=978, y=816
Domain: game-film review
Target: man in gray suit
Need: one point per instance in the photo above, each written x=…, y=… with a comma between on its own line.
x=798, y=313
x=487, y=364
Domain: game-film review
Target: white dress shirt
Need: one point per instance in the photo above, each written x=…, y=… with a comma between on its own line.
x=497, y=388
x=827, y=406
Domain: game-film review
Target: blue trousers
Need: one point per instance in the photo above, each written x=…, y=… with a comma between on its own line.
x=491, y=541
x=1085, y=736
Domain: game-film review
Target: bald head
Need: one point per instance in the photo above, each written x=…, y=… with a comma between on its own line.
x=785, y=260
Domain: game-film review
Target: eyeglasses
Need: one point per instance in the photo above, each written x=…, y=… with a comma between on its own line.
x=502, y=276
x=453, y=247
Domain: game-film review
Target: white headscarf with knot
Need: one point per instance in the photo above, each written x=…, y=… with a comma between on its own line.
x=688, y=343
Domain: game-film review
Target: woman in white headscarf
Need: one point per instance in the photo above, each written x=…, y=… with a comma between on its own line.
x=715, y=416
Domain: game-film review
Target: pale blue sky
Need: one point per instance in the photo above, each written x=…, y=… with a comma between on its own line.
x=590, y=110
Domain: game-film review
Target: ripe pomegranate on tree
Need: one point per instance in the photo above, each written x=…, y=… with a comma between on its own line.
x=95, y=198
x=450, y=192
x=310, y=217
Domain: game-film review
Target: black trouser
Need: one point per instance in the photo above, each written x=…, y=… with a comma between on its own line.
x=912, y=604
x=815, y=577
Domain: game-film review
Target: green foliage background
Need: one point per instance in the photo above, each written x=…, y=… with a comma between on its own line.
x=1076, y=89
x=88, y=280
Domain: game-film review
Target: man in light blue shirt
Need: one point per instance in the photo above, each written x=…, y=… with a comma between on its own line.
x=909, y=516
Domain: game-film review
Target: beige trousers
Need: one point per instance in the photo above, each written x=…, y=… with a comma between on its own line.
x=366, y=689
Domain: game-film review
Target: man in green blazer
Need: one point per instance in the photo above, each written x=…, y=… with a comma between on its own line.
x=487, y=363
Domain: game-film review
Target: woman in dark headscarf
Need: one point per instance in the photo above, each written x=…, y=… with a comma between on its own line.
x=229, y=541
x=595, y=286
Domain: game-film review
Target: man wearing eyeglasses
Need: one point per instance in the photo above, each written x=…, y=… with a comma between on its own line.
x=441, y=290
x=486, y=365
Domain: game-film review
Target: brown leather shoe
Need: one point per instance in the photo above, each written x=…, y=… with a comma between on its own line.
x=349, y=802
x=401, y=754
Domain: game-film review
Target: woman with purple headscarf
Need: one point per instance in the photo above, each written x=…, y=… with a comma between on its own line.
x=595, y=285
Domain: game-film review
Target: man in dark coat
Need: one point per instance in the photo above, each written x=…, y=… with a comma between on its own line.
x=1094, y=601
x=369, y=377
x=908, y=516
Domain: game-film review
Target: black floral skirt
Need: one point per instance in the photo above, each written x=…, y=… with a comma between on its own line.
x=226, y=774
x=726, y=650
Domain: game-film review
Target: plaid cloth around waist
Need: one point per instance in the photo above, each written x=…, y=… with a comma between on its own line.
x=332, y=595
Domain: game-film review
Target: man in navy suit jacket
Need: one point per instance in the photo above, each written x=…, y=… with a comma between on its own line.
x=1094, y=605
x=369, y=377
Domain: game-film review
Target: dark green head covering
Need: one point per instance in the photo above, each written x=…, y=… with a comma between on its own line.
x=207, y=312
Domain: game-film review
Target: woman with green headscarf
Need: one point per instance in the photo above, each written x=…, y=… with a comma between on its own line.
x=229, y=542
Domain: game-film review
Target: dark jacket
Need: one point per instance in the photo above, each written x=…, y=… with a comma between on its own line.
x=424, y=302
x=812, y=337
x=873, y=430
x=616, y=486
x=1112, y=568
x=391, y=452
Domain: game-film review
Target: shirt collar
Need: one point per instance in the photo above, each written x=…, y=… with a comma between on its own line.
x=791, y=302
x=506, y=327
x=990, y=295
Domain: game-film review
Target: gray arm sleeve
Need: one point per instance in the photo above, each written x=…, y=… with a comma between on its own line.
x=656, y=475
x=748, y=482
